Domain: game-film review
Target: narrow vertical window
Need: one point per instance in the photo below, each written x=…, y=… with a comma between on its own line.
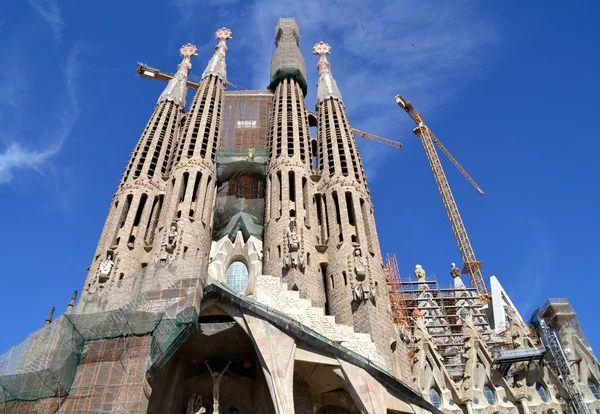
x=292, y=185
x=325, y=287
x=338, y=216
x=279, y=193
x=183, y=187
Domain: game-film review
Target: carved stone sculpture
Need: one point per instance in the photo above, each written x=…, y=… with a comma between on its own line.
x=420, y=273
x=360, y=264
x=194, y=405
x=293, y=258
x=216, y=377
x=172, y=237
x=454, y=271
x=105, y=267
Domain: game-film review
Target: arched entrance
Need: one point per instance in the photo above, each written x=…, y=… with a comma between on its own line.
x=242, y=387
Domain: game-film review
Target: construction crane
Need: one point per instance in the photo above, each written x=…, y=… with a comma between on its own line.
x=472, y=266
x=147, y=72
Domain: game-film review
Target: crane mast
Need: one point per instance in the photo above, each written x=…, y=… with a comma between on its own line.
x=472, y=266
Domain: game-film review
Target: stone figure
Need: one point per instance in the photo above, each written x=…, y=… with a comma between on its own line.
x=360, y=264
x=195, y=405
x=420, y=273
x=293, y=259
x=105, y=267
x=454, y=271
x=216, y=377
x=250, y=156
x=172, y=237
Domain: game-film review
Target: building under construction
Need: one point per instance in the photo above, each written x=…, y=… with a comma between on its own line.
x=239, y=271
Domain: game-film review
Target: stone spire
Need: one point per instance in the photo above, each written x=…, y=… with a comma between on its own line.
x=326, y=87
x=217, y=66
x=287, y=62
x=176, y=89
x=71, y=303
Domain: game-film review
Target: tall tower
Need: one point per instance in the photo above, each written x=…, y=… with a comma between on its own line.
x=356, y=283
x=188, y=221
x=290, y=231
x=131, y=226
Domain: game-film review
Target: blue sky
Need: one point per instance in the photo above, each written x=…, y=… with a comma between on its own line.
x=509, y=87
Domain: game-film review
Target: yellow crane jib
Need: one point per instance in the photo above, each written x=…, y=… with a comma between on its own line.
x=472, y=266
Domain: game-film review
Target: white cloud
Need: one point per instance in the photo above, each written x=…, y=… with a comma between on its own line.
x=50, y=12
x=16, y=156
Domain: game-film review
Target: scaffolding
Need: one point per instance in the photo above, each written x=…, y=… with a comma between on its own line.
x=143, y=332
x=441, y=307
x=559, y=362
x=397, y=301
x=246, y=120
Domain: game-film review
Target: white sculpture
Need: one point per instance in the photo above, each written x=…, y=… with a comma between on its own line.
x=293, y=258
x=360, y=264
x=105, y=267
x=216, y=377
x=420, y=272
x=195, y=405
x=172, y=237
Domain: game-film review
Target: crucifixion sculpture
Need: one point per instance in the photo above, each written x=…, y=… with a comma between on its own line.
x=216, y=377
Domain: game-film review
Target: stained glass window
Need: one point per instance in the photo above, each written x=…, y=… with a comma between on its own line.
x=542, y=392
x=594, y=389
x=435, y=398
x=237, y=277
x=489, y=395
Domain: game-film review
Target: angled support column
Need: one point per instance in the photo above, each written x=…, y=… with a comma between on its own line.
x=367, y=393
x=276, y=352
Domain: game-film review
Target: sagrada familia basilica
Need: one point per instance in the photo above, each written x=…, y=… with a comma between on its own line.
x=239, y=271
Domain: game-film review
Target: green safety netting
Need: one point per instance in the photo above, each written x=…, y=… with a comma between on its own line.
x=240, y=202
x=45, y=364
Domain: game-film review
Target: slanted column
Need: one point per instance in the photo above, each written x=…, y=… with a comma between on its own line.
x=127, y=240
x=187, y=225
x=289, y=237
x=356, y=283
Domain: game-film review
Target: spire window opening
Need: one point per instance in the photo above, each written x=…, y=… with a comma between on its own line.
x=122, y=219
x=196, y=186
x=318, y=205
x=345, y=278
x=325, y=287
x=325, y=219
x=338, y=216
x=305, y=201
x=183, y=188
x=136, y=220
x=292, y=186
x=153, y=219
x=367, y=224
x=270, y=190
x=314, y=162
x=279, y=193
x=207, y=201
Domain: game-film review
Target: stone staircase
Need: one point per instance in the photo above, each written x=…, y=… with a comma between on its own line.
x=271, y=292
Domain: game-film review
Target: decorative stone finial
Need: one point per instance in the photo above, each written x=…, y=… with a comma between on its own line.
x=327, y=87
x=187, y=51
x=49, y=318
x=176, y=89
x=224, y=34
x=216, y=66
x=322, y=49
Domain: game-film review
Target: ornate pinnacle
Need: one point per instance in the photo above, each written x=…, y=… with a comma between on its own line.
x=216, y=65
x=322, y=49
x=223, y=34
x=187, y=51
